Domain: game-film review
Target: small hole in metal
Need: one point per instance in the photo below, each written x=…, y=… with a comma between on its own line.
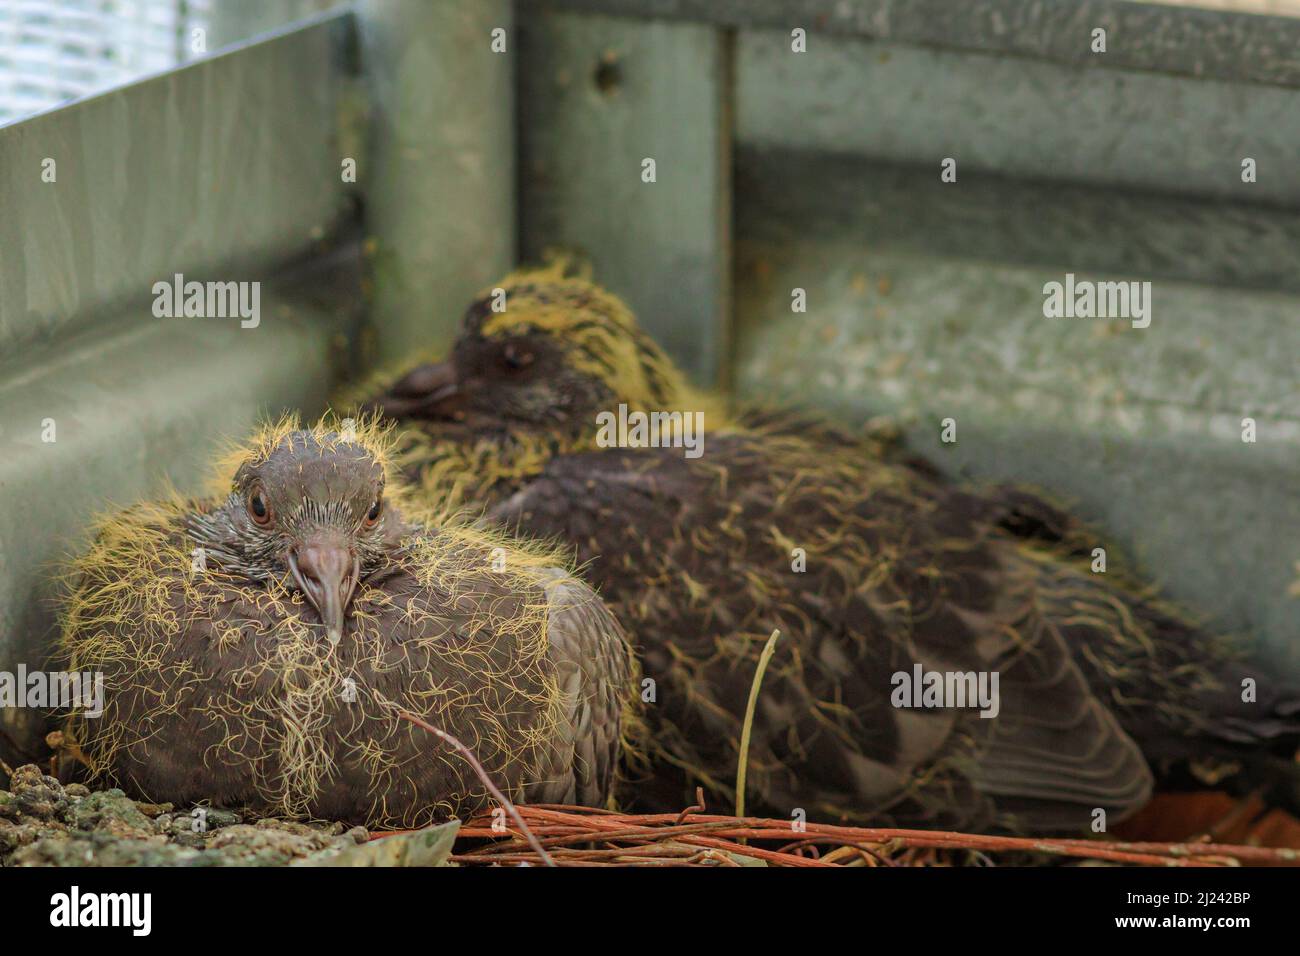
x=609, y=75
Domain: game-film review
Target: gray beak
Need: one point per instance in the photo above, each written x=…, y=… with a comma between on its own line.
x=430, y=391
x=327, y=572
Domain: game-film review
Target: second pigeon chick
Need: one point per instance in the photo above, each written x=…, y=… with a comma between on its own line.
x=880, y=576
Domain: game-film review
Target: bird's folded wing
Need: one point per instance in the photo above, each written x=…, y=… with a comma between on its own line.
x=1055, y=754
x=594, y=667
x=582, y=498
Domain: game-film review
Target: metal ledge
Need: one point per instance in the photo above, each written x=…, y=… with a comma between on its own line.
x=1118, y=127
x=1008, y=219
x=1141, y=36
x=599, y=96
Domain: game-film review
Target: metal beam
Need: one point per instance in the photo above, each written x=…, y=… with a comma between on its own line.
x=439, y=178
x=1018, y=118
x=1182, y=41
x=600, y=99
x=1007, y=219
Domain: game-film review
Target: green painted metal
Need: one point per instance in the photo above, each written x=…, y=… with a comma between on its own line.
x=600, y=97
x=1036, y=221
x=1182, y=41
x=1019, y=118
x=225, y=167
x=439, y=178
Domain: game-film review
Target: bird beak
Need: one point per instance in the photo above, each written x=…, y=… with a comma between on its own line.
x=427, y=391
x=327, y=572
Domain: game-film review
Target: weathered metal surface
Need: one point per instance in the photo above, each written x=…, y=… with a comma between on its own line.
x=1141, y=36
x=599, y=97
x=439, y=178
x=1029, y=221
x=1142, y=427
x=1020, y=118
x=226, y=167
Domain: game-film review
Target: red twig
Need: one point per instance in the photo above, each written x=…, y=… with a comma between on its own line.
x=559, y=828
x=482, y=774
x=586, y=836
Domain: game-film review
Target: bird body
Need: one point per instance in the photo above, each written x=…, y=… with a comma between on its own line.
x=267, y=666
x=868, y=567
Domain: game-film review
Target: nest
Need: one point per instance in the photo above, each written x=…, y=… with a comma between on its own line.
x=582, y=836
x=556, y=835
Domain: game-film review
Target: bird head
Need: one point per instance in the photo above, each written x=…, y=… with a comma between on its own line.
x=542, y=352
x=307, y=508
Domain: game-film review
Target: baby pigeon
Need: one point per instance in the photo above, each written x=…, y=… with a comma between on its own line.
x=257, y=647
x=945, y=659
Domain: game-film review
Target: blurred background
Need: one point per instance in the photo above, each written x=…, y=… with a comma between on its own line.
x=53, y=51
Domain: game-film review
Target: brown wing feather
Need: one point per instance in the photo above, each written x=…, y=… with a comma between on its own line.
x=593, y=664
x=696, y=558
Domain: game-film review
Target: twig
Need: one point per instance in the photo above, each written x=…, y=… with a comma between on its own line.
x=743, y=765
x=561, y=827
x=666, y=839
x=697, y=807
x=482, y=774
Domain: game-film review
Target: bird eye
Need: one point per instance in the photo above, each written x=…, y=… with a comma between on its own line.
x=258, y=508
x=515, y=359
x=375, y=511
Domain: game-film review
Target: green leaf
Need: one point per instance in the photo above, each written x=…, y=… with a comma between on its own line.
x=427, y=847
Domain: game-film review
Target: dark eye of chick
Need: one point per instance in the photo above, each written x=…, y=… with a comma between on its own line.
x=375, y=511
x=257, y=505
x=516, y=359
